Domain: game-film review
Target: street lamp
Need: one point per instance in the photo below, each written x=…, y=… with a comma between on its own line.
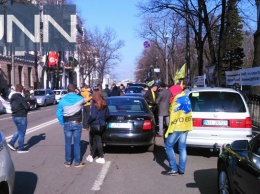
x=166, y=59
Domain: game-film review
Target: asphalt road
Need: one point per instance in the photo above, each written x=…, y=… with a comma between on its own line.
x=127, y=170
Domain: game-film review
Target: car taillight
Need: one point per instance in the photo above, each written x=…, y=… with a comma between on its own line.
x=241, y=123
x=197, y=122
x=147, y=125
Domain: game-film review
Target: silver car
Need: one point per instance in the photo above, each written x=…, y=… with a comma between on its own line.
x=7, y=172
x=220, y=115
x=45, y=97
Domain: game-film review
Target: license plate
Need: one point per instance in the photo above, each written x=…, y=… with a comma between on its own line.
x=120, y=125
x=215, y=122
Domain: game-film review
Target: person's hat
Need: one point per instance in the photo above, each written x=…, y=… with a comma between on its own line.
x=151, y=83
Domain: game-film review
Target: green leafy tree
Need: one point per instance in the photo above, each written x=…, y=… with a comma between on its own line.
x=233, y=53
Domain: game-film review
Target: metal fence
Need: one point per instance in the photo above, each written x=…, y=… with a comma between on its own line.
x=253, y=102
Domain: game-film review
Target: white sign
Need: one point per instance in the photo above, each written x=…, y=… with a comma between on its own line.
x=199, y=80
x=244, y=77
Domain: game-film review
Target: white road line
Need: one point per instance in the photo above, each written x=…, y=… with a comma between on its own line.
x=30, y=130
x=101, y=176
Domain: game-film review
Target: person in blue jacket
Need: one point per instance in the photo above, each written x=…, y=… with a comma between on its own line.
x=69, y=114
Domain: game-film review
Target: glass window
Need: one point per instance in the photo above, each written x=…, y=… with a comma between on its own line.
x=39, y=93
x=216, y=102
x=126, y=105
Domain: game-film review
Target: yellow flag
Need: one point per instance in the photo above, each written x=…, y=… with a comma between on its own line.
x=181, y=73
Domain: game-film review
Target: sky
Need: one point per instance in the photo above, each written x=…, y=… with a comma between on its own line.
x=120, y=15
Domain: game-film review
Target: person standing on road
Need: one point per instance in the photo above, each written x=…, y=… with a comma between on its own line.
x=19, y=113
x=107, y=90
x=86, y=108
x=99, y=113
x=69, y=114
x=163, y=103
x=179, y=125
x=115, y=90
x=150, y=97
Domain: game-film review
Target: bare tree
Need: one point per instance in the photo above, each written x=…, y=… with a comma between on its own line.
x=107, y=50
x=203, y=18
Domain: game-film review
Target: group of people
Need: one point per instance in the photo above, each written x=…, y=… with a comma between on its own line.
x=172, y=110
x=69, y=114
x=170, y=105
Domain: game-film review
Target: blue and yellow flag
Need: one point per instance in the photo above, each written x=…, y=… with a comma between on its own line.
x=180, y=114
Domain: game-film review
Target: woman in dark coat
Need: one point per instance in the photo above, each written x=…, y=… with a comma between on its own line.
x=99, y=114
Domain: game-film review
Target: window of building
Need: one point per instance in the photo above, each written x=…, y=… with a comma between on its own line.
x=9, y=70
x=29, y=76
x=20, y=71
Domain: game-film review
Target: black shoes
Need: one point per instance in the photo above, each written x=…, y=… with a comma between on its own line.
x=170, y=173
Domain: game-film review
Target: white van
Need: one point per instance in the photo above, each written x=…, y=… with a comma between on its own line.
x=220, y=115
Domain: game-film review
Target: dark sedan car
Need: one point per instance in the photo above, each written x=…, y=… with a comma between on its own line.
x=131, y=123
x=239, y=167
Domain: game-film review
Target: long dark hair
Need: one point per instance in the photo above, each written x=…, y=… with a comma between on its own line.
x=98, y=99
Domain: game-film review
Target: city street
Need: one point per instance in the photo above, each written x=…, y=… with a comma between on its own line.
x=127, y=170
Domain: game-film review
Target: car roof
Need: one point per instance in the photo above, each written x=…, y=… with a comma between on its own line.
x=210, y=89
x=42, y=89
x=130, y=97
x=60, y=90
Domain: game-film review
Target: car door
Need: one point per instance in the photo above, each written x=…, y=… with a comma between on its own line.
x=48, y=97
x=247, y=174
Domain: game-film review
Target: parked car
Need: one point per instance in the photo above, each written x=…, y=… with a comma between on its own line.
x=59, y=94
x=239, y=167
x=134, y=89
x=7, y=172
x=134, y=94
x=220, y=115
x=45, y=97
x=131, y=123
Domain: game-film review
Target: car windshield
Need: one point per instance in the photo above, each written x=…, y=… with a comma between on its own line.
x=126, y=105
x=212, y=101
x=134, y=89
x=39, y=93
x=57, y=92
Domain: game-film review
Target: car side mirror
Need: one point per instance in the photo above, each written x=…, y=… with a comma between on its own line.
x=47, y=94
x=239, y=145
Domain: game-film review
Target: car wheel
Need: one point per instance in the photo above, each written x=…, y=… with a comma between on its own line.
x=223, y=181
x=54, y=102
x=151, y=147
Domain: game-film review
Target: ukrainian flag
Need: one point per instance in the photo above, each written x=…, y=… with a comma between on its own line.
x=180, y=114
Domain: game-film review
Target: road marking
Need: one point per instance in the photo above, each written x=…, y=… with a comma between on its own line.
x=30, y=130
x=101, y=176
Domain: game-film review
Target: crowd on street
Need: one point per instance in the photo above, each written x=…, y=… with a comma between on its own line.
x=86, y=109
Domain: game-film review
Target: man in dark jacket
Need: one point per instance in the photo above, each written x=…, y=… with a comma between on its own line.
x=19, y=112
x=115, y=90
x=163, y=103
x=150, y=97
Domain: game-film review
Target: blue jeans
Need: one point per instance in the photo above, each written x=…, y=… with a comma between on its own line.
x=72, y=131
x=169, y=147
x=21, y=124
